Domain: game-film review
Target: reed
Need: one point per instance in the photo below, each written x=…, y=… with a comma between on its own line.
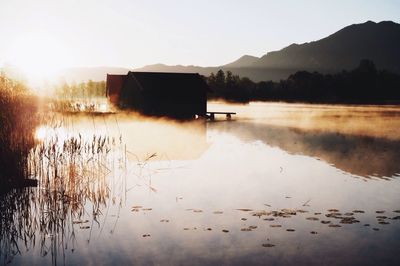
x=77, y=178
x=18, y=119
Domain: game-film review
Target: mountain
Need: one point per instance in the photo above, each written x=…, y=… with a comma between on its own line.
x=342, y=50
x=244, y=61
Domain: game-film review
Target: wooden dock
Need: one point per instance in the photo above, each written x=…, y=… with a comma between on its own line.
x=211, y=115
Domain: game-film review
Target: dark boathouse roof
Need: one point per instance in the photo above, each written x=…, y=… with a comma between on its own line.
x=178, y=95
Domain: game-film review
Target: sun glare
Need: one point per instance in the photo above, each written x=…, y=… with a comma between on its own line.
x=39, y=56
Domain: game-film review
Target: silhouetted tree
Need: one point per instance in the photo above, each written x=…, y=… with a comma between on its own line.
x=365, y=84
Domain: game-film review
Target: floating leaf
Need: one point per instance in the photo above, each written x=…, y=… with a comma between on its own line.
x=268, y=245
x=275, y=225
x=312, y=218
x=301, y=211
x=334, y=225
x=244, y=210
x=333, y=210
x=225, y=231
x=261, y=213
x=290, y=230
x=269, y=219
x=218, y=212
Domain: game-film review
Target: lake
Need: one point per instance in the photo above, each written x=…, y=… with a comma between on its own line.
x=279, y=184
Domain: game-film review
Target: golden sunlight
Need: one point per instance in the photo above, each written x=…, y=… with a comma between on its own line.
x=39, y=56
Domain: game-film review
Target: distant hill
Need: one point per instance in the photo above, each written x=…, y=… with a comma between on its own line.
x=342, y=50
x=244, y=61
x=379, y=42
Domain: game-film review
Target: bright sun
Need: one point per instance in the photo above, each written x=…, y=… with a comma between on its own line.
x=39, y=56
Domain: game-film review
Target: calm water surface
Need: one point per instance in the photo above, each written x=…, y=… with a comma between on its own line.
x=280, y=184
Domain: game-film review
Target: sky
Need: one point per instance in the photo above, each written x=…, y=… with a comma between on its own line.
x=45, y=34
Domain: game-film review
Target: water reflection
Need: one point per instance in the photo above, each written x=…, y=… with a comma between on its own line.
x=118, y=190
x=362, y=156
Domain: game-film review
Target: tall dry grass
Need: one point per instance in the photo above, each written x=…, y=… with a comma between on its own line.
x=77, y=178
x=18, y=119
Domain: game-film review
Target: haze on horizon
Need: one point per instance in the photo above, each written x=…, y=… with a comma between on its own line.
x=44, y=35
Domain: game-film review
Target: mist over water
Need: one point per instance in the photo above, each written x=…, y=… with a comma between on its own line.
x=287, y=184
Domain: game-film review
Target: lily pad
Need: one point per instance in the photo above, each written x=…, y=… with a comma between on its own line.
x=334, y=225
x=312, y=218
x=260, y=213
x=268, y=245
x=244, y=210
x=333, y=210
x=301, y=211
x=290, y=230
x=275, y=225
x=269, y=219
x=225, y=231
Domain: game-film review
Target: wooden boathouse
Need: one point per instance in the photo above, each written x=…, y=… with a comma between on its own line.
x=176, y=95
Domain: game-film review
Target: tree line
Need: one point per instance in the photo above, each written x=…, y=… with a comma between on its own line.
x=364, y=84
x=83, y=90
